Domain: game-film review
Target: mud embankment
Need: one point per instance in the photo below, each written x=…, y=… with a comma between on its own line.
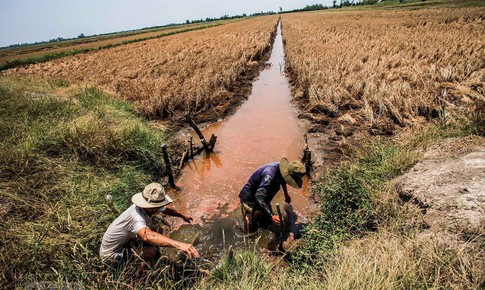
x=449, y=187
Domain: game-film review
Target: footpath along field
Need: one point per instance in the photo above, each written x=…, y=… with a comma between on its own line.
x=380, y=70
x=189, y=72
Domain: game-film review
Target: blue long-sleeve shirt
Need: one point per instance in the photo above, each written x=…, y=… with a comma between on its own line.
x=262, y=186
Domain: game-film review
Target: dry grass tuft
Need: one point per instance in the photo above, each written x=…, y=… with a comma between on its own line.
x=388, y=261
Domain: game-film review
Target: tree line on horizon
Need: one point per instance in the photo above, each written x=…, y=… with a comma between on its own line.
x=336, y=5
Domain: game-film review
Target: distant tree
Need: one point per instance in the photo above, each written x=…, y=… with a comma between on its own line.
x=334, y=3
x=281, y=9
x=187, y=21
x=314, y=7
x=81, y=35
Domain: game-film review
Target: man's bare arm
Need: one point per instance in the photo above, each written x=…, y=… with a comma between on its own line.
x=155, y=239
x=173, y=212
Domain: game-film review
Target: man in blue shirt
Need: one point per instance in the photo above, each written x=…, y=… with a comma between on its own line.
x=263, y=185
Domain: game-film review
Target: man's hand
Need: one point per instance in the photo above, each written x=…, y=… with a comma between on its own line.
x=187, y=219
x=276, y=220
x=288, y=199
x=189, y=250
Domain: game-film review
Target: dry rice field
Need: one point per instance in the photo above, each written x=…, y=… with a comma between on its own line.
x=10, y=54
x=189, y=72
x=386, y=68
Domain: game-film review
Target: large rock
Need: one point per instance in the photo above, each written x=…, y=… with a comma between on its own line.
x=449, y=185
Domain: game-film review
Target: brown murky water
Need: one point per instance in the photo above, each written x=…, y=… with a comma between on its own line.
x=263, y=130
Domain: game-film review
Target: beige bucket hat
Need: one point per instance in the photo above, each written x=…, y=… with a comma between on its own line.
x=292, y=172
x=152, y=196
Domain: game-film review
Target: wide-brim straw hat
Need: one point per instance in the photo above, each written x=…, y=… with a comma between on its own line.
x=152, y=196
x=292, y=172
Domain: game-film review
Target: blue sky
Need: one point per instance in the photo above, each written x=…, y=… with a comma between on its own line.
x=38, y=20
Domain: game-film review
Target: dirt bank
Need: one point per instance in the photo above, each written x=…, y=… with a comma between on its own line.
x=449, y=186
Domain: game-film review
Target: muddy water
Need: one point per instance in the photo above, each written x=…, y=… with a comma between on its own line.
x=264, y=129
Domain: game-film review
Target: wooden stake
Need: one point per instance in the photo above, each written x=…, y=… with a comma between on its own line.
x=191, y=148
x=182, y=159
x=230, y=254
x=201, y=137
x=280, y=236
x=212, y=142
x=307, y=156
x=168, y=167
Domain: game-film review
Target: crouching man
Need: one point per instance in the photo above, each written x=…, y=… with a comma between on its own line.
x=263, y=185
x=135, y=229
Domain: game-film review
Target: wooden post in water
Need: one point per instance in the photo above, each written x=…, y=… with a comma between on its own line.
x=182, y=159
x=168, y=167
x=201, y=137
x=280, y=236
x=191, y=144
x=307, y=156
x=230, y=254
x=212, y=142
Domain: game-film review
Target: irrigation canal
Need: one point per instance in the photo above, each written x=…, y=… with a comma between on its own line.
x=264, y=129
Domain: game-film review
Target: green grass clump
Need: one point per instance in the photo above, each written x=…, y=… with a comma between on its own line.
x=384, y=260
x=349, y=203
x=246, y=271
x=59, y=157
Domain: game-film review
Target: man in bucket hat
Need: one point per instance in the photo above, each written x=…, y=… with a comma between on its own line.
x=136, y=230
x=262, y=186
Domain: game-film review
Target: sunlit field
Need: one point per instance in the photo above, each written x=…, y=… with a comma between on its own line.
x=382, y=67
x=167, y=77
x=14, y=56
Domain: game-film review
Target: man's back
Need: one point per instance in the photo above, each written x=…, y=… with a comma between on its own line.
x=121, y=231
x=265, y=180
